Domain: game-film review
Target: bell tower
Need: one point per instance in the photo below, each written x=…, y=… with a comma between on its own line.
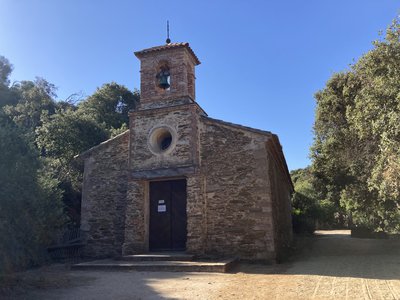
x=167, y=75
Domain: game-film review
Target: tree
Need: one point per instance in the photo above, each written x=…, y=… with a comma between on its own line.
x=356, y=156
x=40, y=181
x=6, y=96
x=73, y=129
x=5, y=71
x=30, y=201
x=30, y=197
x=110, y=105
x=309, y=209
x=61, y=137
x=31, y=100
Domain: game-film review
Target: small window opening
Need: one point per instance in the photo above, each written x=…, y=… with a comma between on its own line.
x=161, y=140
x=166, y=142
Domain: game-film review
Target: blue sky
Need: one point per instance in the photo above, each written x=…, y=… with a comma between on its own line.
x=262, y=61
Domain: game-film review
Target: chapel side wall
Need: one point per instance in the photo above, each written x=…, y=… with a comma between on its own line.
x=137, y=218
x=281, y=191
x=237, y=193
x=196, y=215
x=104, y=198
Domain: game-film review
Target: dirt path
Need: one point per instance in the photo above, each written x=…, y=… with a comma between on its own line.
x=334, y=267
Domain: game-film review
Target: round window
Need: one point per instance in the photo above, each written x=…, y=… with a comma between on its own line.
x=161, y=140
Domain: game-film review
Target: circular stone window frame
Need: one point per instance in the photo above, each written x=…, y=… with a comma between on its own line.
x=155, y=138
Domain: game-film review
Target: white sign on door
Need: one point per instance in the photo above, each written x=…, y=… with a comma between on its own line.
x=161, y=206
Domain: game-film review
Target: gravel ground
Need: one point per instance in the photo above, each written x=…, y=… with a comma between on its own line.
x=332, y=266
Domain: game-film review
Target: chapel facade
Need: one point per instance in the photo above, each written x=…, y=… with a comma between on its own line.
x=180, y=180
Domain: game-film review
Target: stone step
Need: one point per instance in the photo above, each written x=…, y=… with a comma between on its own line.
x=157, y=266
x=158, y=256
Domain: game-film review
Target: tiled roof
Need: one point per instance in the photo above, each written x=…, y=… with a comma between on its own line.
x=169, y=46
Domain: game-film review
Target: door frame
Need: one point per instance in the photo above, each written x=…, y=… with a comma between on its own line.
x=147, y=206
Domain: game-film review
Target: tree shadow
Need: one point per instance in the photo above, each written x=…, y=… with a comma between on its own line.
x=315, y=256
x=62, y=284
x=338, y=256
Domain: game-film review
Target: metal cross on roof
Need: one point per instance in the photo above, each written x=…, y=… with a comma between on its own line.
x=168, y=39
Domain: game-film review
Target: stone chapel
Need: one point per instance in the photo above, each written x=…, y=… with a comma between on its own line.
x=180, y=180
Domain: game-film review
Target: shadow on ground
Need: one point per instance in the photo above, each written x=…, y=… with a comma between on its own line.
x=121, y=285
x=337, y=255
x=324, y=267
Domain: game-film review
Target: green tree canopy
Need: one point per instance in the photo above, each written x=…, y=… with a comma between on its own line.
x=30, y=200
x=6, y=95
x=30, y=100
x=5, y=71
x=40, y=181
x=356, y=151
x=110, y=105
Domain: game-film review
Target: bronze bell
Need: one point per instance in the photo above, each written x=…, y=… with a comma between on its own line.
x=163, y=77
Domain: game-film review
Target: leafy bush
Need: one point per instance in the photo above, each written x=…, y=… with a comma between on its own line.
x=302, y=223
x=30, y=201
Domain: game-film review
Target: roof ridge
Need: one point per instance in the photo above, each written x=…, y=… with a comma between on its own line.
x=238, y=126
x=169, y=46
x=106, y=142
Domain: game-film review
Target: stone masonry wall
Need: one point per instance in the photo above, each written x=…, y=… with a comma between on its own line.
x=238, y=204
x=146, y=166
x=196, y=225
x=104, y=197
x=282, y=210
x=137, y=218
x=181, y=120
x=182, y=79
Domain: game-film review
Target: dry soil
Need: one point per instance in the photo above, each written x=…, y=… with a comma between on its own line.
x=331, y=266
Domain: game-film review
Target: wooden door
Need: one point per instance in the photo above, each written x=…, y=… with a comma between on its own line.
x=168, y=215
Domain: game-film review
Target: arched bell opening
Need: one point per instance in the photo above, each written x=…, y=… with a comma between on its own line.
x=163, y=77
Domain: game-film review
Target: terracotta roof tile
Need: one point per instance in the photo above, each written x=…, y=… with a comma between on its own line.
x=168, y=46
